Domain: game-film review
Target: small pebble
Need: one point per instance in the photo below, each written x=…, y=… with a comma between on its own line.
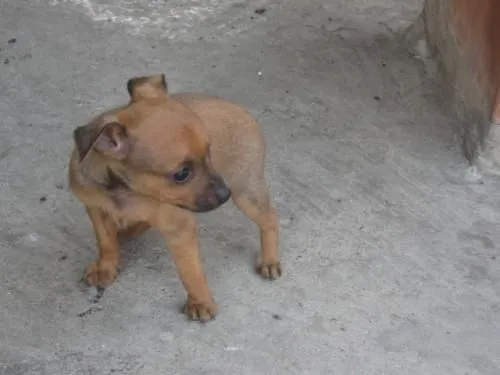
x=33, y=237
x=12, y=41
x=377, y=98
x=43, y=199
x=260, y=10
x=259, y=73
x=276, y=317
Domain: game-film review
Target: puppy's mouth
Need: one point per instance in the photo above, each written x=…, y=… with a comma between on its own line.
x=213, y=198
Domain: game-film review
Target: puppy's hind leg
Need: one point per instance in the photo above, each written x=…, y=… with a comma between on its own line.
x=254, y=202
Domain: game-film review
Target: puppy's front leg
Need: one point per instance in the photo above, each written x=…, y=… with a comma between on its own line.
x=182, y=241
x=104, y=270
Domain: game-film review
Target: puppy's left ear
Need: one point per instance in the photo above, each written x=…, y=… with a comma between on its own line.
x=153, y=86
x=107, y=136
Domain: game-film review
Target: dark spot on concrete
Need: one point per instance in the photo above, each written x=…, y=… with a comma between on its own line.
x=100, y=292
x=43, y=199
x=330, y=19
x=377, y=98
x=384, y=65
x=214, y=66
x=89, y=311
x=59, y=186
x=252, y=17
x=4, y=154
x=6, y=61
x=493, y=257
x=64, y=257
x=287, y=91
x=12, y=41
x=342, y=329
x=200, y=38
x=276, y=317
x=153, y=46
x=339, y=200
x=361, y=227
x=260, y=10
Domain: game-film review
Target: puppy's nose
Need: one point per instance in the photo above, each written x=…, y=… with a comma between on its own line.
x=222, y=193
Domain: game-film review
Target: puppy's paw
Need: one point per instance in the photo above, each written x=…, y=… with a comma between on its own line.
x=202, y=312
x=269, y=271
x=100, y=273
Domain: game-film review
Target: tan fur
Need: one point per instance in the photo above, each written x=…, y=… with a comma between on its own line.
x=124, y=169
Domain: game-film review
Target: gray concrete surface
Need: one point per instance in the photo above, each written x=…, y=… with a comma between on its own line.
x=391, y=256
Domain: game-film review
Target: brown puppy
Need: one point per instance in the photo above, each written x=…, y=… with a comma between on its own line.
x=159, y=159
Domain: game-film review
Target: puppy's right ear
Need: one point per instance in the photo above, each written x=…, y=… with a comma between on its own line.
x=107, y=137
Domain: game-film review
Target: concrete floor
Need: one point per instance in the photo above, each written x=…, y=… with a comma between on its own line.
x=391, y=257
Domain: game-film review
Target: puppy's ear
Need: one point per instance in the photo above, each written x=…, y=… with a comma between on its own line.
x=153, y=86
x=106, y=136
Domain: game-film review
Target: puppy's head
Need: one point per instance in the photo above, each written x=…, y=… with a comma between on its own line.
x=157, y=146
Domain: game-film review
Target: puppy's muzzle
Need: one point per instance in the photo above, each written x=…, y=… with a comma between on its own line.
x=215, y=194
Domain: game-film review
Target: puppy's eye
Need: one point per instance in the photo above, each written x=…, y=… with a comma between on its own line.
x=183, y=175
